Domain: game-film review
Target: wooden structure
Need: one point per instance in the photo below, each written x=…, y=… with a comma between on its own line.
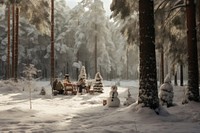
x=69, y=87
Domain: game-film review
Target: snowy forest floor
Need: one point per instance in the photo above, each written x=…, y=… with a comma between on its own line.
x=86, y=113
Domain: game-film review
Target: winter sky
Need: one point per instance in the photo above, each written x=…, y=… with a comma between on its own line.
x=72, y=3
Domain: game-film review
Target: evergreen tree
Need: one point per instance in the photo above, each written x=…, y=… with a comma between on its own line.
x=148, y=92
x=98, y=85
x=82, y=74
x=52, y=44
x=193, y=72
x=93, y=32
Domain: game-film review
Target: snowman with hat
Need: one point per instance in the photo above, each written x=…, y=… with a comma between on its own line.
x=113, y=100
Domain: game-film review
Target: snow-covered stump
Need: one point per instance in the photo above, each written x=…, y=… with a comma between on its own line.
x=113, y=100
x=166, y=93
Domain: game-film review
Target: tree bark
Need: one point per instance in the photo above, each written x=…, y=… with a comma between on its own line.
x=181, y=74
x=148, y=92
x=127, y=63
x=193, y=72
x=52, y=42
x=198, y=15
x=16, y=43
x=95, y=51
x=161, y=66
x=77, y=69
x=13, y=40
x=8, y=47
x=175, y=78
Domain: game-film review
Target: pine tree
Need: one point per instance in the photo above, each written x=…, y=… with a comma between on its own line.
x=148, y=92
x=16, y=52
x=82, y=74
x=52, y=43
x=98, y=85
x=193, y=72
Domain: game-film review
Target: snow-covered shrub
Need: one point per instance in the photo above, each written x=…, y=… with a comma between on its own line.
x=129, y=99
x=166, y=93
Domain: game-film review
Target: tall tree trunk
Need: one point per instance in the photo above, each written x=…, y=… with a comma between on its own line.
x=8, y=47
x=16, y=42
x=77, y=69
x=166, y=66
x=161, y=66
x=127, y=64
x=52, y=42
x=175, y=78
x=148, y=92
x=95, y=52
x=193, y=72
x=181, y=74
x=67, y=67
x=13, y=40
x=198, y=5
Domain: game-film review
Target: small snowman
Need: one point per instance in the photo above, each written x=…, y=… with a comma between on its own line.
x=129, y=99
x=113, y=100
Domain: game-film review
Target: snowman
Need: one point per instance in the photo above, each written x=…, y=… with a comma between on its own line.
x=113, y=100
x=129, y=99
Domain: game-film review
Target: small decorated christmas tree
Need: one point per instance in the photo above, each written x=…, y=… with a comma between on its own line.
x=98, y=86
x=82, y=74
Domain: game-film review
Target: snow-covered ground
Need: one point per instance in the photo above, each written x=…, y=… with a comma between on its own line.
x=86, y=113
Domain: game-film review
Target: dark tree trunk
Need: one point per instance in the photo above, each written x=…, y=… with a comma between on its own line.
x=52, y=42
x=175, y=79
x=13, y=40
x=148, y=92
x=198, y=5
x=193, y=72
x=181, y=74
x=16, y=42
x=161, y=66
x=8, y=47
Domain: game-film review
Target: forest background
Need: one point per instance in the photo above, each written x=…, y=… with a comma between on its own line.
x=75, y=37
